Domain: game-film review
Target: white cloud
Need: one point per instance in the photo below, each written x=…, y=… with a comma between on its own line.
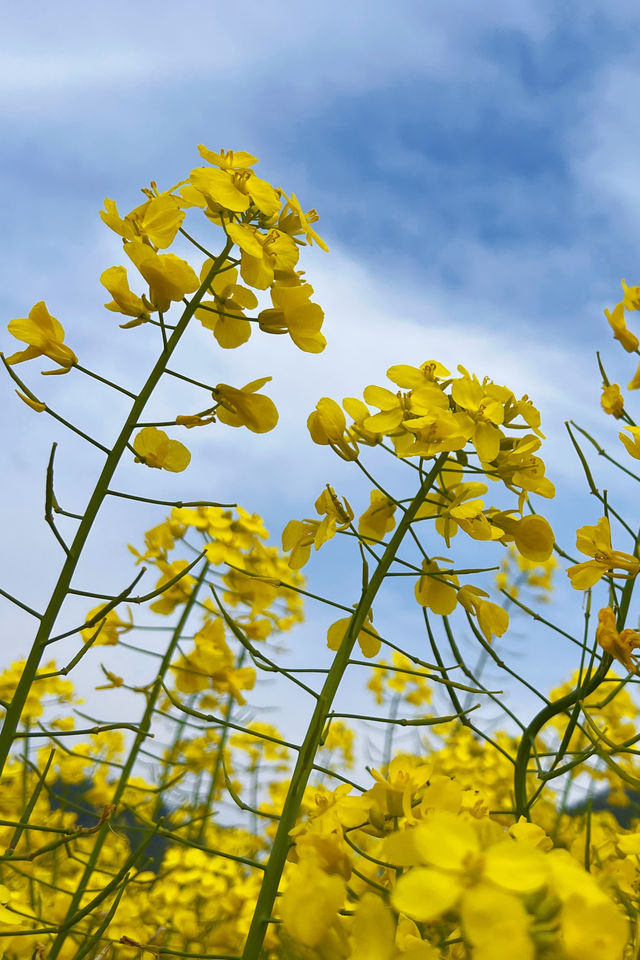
x=316, y=49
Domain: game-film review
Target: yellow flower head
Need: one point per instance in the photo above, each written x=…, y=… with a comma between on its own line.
x=612, y=401
x=596, y=542
x=245, y=407
x=153, y=447
x=618, y=645
x=632, y=443
x=44, y=336
x=620, y=332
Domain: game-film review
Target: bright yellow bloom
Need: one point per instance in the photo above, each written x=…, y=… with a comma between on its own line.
x=455, y=505
x=618, y=645
x=484, y=403
x=395, y=408
x=493, y=620
x=460, y=872
x=368, y=640
x=435, y=433
x=357, y=433
x=436, y=590
x=293, y=313
x=123, y=227
x=328, y=426
x=378, y=519
x=631, y=299
x=612, y=401
x=593, y=931
x=632, y=443
x=169, y=277
x=228, y=159
x=212, y=664
x=158, y=219
x=596, y=542
x=620, y=332
x=224, y=315
x=299, y=535
x=517, y=466
x=373, y=929
x=307, y=918
x=245, y=407
x=110, y=627
x=235, y=189
x=533, y=536
x=124, y=301
x=263, y=255
x=409, y=377
x=294, y=222
x=45, y=337
x=154, y=448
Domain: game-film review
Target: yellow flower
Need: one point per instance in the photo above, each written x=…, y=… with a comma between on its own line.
x=224, y=315
x=235, y=189
x=533, y=536
x=368, y=639
x=169, y=277
x=596, y=542
x=612, y=401
x=631, y=299
x=263, y=254
x=44, y=336
x=632, y=443
x=158, y=219
x=245, y=407
x=493, y=620
x=328, y=427
x=299, y=535
x=294, y=222
x=618, y=645
x=212, y=664
x=620, y=332
x=228, y=159
x=378, y=519
x=154, y=448
x=436, y=590
x=455, y=505
x=111, y=626
x=484, y=403
x=593, y=931
x=483, y=884
x=294, y=313
x=124, y=301
x=307, y=918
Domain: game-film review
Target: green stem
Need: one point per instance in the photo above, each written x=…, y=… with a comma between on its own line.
x=308, y=750
x=527, y=742
x=60, y=591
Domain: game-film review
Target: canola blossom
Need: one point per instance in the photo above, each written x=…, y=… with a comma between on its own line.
x=446, y=821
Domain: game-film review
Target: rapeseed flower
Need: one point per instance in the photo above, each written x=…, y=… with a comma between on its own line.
x=45, y=338
x=596, y=542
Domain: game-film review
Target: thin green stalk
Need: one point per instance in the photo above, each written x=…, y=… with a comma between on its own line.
x=61, y=589
x=308, y=750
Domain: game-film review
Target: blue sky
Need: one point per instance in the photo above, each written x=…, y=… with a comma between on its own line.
x=474, y=166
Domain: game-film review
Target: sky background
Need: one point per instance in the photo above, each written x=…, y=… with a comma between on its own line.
x=475, y=170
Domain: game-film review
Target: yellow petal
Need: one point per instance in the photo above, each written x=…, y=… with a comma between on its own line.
x=423, y=894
